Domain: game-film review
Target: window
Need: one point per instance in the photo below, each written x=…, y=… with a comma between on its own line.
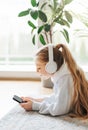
x=78, y=32
x=16, y=47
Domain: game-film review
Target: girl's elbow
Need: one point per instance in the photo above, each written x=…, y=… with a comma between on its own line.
x=54, y=113
x=57, y=112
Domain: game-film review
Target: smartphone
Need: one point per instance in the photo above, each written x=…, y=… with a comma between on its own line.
x=18, y=99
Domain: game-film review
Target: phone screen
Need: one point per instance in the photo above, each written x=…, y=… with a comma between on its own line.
x=18, y=99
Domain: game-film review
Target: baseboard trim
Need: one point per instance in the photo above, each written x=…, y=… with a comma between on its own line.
x=19, y=79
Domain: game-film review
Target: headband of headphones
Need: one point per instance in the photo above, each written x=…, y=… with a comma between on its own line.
x=43, y=47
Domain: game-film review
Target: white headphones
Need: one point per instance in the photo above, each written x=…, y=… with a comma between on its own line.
x=51, y=66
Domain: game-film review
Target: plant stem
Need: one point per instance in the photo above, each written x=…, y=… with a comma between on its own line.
x=46, y=37
x=51, y=35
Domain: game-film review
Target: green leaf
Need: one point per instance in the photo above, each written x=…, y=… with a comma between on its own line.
x=65, y=34
x=67, y=1
x=34, y=14
x=33, y=3
x=63, y=22
x=68, y=16
x=51, y=7
x=43, y=5
x=41, y=38
x=47, y=27
x=42, y=16
x=57, y=19
x=40, y=29
x=31, y=24
x=33, y=40
x=23, y=13
x=37, y=4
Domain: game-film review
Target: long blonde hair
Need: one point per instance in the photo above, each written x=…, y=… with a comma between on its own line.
x=80, y=99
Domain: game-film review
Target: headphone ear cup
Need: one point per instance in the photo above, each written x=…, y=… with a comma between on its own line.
x=51, y=67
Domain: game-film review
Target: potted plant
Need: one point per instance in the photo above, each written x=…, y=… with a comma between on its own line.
x=49, y=14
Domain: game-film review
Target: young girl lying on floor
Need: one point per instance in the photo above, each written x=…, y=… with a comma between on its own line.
x=70, y=85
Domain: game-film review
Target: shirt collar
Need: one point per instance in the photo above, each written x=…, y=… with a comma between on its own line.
x=62, y=71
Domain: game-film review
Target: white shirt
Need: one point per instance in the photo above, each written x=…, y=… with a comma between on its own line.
x=59, y=102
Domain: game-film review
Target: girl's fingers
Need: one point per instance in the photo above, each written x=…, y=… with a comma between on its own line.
x=27, y=98
x=27, y=106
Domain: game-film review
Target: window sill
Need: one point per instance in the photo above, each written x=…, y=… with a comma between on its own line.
x=18, y=71
x=23, y=71
x=18, y=68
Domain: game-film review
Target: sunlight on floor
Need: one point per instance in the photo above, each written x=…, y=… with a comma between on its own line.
x=20, y=88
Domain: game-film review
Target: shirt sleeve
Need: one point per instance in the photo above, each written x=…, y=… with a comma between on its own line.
x=59, y=103
x=48, y=99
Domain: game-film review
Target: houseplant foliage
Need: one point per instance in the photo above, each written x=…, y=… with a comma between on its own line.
x=56, y=15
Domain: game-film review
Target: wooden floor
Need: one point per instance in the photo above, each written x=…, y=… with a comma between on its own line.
x=20, y=88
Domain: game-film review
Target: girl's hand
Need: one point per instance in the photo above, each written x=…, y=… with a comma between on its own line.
x=32, y=99
x=27, y=105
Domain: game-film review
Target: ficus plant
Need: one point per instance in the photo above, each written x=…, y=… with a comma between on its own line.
x=56, y=15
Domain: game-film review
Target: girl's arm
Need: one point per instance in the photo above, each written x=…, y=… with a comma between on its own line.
x=28, y=102
x=62, y=100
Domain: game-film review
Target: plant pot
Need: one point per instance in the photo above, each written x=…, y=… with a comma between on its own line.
x=47, y=83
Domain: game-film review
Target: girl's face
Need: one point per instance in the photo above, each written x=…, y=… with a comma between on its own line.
x=40, y=67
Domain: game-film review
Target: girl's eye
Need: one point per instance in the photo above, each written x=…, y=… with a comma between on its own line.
x=38, y=69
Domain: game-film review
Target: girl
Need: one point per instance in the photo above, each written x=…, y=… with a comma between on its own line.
x=70, y=85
